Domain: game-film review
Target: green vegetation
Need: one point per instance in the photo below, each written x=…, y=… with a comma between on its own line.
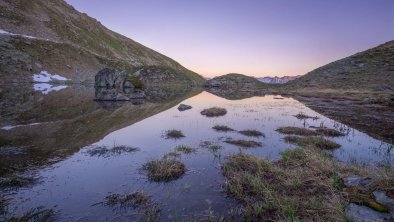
x=214, y=112
x=329, y=132
x=296, y=188
x=215, y=148
x=318, y=142
x=222, y=128
x=147, y=208
x=252, y=133
x=103, y=151
x=174, y=134
x=297, y=131
x=184, y=149
x=244, y=143
x=137, y=83
x=164, y=170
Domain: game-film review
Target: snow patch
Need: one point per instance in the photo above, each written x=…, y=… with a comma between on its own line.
x=46, y=88
x=15, y=126
x=44, y=76
x=3, y=32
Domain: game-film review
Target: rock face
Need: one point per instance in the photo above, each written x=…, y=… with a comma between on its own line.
x=183, y=107
x=112, y=85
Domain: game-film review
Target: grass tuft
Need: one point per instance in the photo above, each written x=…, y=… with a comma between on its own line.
x=296, y=131
x=215, y=148
x=329, y=132
x=184, y=149
x=318, y=142
x=244, y=143
x=252, y=133
x=214, y=112
x=164, y=170
x=222, y=128
x=174, y=134
x=304, y=116
x=103, y=151
x=149, y=211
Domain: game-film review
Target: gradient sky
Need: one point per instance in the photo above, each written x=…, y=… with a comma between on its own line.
x=253, y=37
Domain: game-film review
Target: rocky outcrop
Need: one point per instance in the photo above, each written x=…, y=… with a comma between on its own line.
x=183, y=107
x=113, y=85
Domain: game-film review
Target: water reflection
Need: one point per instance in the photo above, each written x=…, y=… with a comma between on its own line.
x=75, y=184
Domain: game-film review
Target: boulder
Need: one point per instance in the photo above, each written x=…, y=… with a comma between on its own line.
x=183, y=107
x=112, y=85
x=382, y=198
x=361, y=183
x=359, y=213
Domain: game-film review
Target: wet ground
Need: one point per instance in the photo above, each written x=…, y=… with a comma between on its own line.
x=73, y=185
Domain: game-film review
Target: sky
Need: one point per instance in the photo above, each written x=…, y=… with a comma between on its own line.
x=252, y=37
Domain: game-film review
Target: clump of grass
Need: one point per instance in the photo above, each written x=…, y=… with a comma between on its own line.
x=318, y=142
x=304, y=116
x=103, y=151
x=174, y=134
x=296, y=188
x=222, y=128
x=164, y=170
x=137, y=200
x=214, y=112
x=297, y=131
x=215, y=148
x=35, y=214
x=185, y=149
x=253, y=133
x=329, y=132
x=243, y=143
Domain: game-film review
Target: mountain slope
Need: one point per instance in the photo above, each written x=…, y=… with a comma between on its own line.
x=54, y=22
x=370, y=70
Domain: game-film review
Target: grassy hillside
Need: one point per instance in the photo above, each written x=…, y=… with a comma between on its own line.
x=55, y=22
x=370, y=70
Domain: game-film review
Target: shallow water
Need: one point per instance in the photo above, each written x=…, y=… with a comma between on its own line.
x=73, y=185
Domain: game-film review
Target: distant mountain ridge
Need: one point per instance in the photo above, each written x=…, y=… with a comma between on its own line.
x=277, y=80
x=68, y=42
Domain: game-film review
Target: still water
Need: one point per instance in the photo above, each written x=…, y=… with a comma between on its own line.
x=74, y=185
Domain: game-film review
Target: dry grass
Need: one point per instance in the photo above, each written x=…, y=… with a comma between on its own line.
x=244, y=143
x=297, y=188
x=214, y=112
x=296, y=131
x=222, y=128
x=164, y=170
x=318, y=142
x=173, y=134
x=329, y=132
x=252, y=133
